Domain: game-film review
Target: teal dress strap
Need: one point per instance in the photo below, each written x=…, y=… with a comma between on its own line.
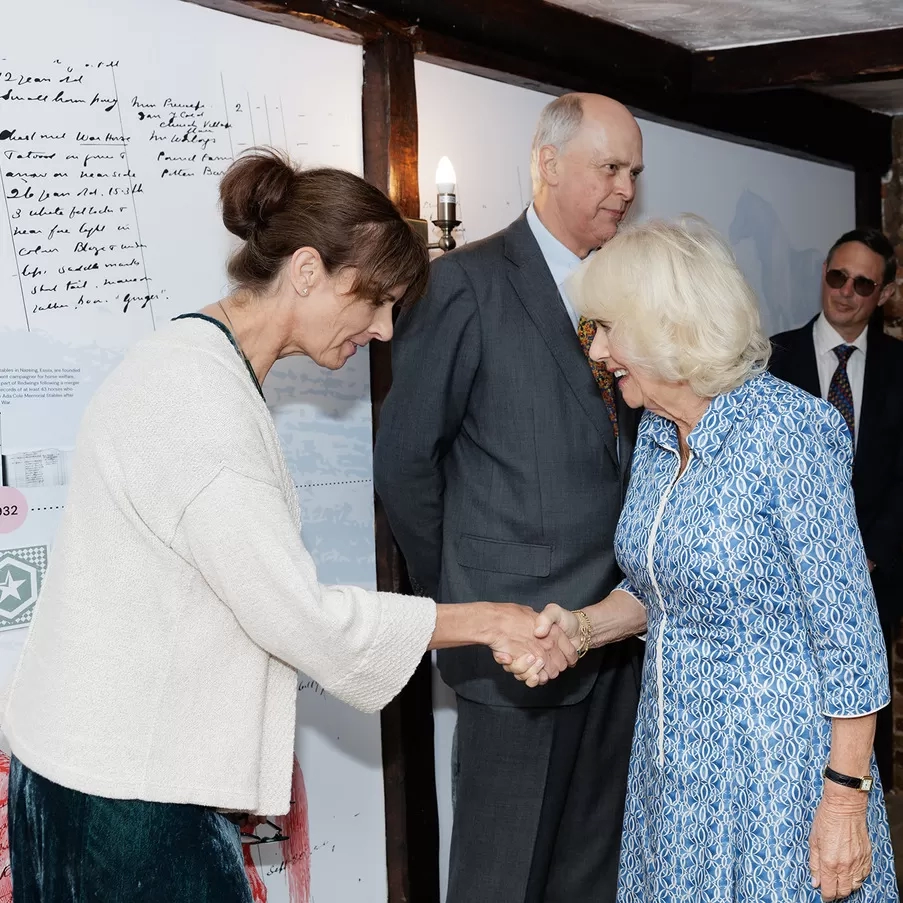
x=228, y=333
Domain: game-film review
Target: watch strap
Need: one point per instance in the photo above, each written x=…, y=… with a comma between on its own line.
x=863, y=784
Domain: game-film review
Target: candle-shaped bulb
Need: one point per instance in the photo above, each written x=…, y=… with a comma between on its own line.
x=445, y=177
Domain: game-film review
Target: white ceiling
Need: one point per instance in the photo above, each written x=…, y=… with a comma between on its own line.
x=711, y=24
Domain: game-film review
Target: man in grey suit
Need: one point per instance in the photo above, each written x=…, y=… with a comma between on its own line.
x=502, y=461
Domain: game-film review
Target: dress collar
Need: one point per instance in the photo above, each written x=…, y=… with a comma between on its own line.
x=715, y=425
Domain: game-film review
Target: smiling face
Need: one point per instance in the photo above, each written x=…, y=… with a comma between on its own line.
x=590, y=183
x=847, y=311
x=639, y=389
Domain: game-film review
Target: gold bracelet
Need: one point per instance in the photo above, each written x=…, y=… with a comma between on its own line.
x=586, y=633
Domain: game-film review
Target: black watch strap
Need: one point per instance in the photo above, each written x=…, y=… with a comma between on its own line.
x=864, y=784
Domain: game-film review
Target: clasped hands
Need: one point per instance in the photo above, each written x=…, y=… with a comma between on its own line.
x=536, y=648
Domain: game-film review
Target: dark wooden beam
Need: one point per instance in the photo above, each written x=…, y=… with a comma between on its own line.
x=803, y=122
x=869, y=214
x=390, y=122
x=800, y=122
x=412, y=824
x=616, y=60
x=545, y=47
x=834, y=60
x=319, y=17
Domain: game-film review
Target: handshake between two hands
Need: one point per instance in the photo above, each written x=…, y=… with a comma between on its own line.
x=536, y=648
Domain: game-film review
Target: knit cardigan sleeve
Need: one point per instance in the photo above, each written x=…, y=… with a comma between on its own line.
x=361, y=646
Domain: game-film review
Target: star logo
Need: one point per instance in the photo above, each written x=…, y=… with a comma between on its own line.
x=10, y=587
x=20, y=583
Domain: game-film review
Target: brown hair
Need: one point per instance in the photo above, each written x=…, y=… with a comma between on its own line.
x=276, y=208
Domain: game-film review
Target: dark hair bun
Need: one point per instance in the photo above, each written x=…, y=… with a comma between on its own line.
x=255, y=188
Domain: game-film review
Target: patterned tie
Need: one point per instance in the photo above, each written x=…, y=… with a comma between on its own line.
x=839, y=392
x=586, y=331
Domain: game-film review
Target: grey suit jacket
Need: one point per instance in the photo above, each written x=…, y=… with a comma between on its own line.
x=495, y=458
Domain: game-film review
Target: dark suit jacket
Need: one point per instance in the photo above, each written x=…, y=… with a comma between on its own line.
x=495, y=457
x=878, y=462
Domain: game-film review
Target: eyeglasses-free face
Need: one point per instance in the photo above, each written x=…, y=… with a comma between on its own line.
x=862, y=285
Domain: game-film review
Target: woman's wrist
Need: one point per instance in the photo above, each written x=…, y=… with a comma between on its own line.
x=466, y=624
x=605, y=623
x=583, y=640
x=844, y=799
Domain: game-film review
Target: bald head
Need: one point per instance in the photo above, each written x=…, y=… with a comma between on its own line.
x=587, y=153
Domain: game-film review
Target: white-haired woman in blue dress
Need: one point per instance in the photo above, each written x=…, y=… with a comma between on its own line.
x=752, y=776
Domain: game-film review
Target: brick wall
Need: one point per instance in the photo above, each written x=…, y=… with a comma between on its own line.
x=893, y=227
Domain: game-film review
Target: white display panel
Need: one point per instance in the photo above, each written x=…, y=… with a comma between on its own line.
x=117, y=118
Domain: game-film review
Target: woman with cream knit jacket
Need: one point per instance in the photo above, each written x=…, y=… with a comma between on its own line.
x=157, y=687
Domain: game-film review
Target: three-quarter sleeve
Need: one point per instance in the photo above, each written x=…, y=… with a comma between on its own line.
x=814, y=503
x=361, y=646
x=625, y=586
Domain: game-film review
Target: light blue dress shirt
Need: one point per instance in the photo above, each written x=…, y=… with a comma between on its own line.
x=560, y=260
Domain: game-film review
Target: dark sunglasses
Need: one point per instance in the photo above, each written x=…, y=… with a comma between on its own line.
x=862, y=285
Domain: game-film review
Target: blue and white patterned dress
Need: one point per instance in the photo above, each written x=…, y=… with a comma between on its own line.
x=762, y=626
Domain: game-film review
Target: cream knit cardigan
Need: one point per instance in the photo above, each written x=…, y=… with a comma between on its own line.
x=180, y=602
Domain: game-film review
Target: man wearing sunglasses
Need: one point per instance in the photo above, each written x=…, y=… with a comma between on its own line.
x=844, y=356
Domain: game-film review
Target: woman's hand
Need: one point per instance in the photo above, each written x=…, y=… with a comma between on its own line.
x=554, y=623
x=533, y=655
x=840, y=852
x=566, y=620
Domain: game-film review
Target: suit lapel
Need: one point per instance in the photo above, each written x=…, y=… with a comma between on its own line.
x=803, y=364
x=531, y=280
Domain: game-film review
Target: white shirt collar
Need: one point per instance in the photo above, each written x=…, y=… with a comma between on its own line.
x=561, y=261
x=826, y=338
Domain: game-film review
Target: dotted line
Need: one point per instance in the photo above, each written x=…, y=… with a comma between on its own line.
x=336, y=483
x=297, y=486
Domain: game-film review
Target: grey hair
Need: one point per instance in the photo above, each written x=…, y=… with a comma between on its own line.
x=558, y=123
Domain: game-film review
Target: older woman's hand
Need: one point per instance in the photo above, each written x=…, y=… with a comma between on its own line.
x=533, y=656
x=553, y=624
x=840, y=853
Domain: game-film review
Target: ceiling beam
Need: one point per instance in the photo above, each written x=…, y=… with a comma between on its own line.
x=809, y=62
x=338, y=20
x=801, y=122
x=553, y=49
x=633, y=66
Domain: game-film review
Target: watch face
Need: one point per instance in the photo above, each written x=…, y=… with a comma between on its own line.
x=866, y=785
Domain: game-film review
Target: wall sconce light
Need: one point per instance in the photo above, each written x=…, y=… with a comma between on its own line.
x=446, y=210
x=446, y=205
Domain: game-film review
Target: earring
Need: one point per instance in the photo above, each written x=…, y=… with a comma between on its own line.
x=304, y=291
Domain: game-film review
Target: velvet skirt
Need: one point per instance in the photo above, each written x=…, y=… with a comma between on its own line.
x=71, y=847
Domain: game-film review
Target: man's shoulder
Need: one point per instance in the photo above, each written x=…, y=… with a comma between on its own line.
x=792, y=337
x=889, y=345
x=484, y=251
x=891, y=351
